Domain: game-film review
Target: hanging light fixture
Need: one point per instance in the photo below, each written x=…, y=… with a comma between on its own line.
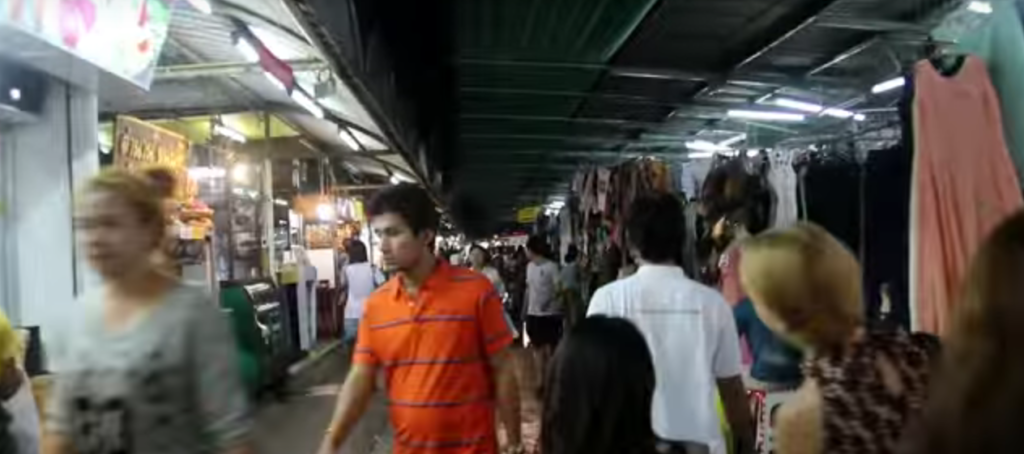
x=732, y=141
x=229, y=133
x=890, y=84
x=798, y=105
x=765, y=115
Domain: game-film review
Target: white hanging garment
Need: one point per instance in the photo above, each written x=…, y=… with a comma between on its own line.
x=783, y=180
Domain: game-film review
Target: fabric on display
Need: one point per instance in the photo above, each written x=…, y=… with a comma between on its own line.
x=783, y=179
x=964, y=182
x=832, y=197
x=1000, y=44
x=886, y=234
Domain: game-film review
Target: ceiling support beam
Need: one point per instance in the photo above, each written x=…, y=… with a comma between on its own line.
x=846, y=55
x=747, y=78
x=578, y=120
x=228, y=69
x=871, y=25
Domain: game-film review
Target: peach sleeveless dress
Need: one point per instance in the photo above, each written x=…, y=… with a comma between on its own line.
x=964, y=184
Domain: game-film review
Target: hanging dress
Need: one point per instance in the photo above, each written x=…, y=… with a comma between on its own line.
x=964, y=183
x=782, y=178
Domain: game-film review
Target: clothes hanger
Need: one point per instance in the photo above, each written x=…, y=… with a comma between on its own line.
x=942, y=58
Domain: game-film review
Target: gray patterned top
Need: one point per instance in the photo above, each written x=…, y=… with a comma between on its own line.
x=169, y=384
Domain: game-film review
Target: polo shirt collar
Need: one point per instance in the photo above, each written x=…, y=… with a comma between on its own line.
x=442, y=269
x=661, y=271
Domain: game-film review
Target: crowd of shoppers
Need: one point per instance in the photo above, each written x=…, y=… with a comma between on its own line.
x=149, y=365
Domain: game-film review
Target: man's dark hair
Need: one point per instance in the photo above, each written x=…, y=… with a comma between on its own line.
x=656, y=228
x=409, y=201
x=356, y=252
x=571, y=253
x=537, y=245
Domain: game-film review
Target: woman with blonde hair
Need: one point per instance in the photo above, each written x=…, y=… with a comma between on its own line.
x=977, y=402
x=860, y=388
x=150, y=366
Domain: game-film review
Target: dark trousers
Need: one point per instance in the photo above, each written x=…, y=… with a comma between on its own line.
x=681, y=447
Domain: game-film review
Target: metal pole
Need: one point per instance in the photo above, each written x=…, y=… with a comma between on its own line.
x=267, y=198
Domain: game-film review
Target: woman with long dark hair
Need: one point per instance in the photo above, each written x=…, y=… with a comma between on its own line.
x=598, y=391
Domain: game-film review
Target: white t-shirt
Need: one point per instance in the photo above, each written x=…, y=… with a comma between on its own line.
x=362, y=279
x=691, y=333
x=542, y=280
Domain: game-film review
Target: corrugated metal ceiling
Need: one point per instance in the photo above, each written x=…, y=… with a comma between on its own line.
x=544, y=86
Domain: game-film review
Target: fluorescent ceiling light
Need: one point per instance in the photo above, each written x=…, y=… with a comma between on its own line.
x=247, y=50
x=753, y=153
x=701, y=154
x=394, y=179
x=229, y=133
x=703, y=145
x=301, y=99
x=844, y=114
x=729, y=142
x=350, y=141
x=798, y=105
x=281, y=202
x=275, y=81
x=15, y=94
x=890, y=84
x=980, y=7
x=765, y=115
x=202, y=6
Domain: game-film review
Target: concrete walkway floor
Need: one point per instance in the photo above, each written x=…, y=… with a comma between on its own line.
x=296, y=424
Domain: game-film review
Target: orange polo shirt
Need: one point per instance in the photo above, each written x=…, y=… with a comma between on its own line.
x=435, y=350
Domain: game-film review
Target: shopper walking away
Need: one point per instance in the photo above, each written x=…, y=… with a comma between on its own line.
x=438, y=334
x=861, y=388
x=358, y=280
x=151, y=365
x=572, y=298
x=544, y=310
x=977, y=401
x=690, y=330
x=600, y=386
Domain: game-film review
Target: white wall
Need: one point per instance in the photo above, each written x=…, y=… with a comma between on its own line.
x=43, y=162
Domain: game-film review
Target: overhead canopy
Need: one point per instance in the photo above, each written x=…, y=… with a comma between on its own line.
x=543, y=87
x=202, y=75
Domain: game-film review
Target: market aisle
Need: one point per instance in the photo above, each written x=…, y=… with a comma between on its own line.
x=296, y=425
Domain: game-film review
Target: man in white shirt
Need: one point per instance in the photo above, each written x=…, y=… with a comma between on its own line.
x=689, y=329
x=543, y=306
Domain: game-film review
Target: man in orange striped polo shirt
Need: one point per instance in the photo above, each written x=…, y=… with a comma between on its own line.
x=439, y=334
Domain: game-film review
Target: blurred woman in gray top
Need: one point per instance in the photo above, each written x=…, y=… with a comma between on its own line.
x=151, y=366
